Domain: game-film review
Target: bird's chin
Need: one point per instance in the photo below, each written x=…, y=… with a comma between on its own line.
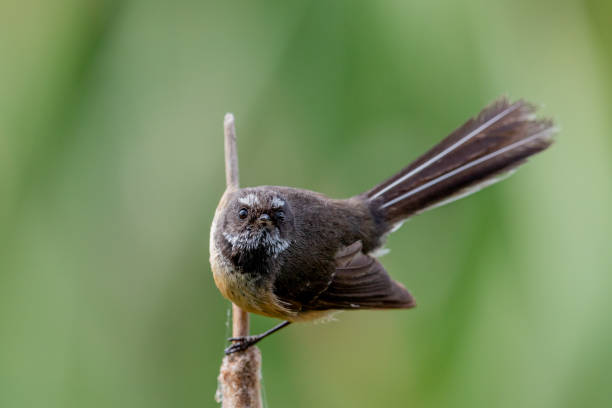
x=263, y=240
x=257, y=239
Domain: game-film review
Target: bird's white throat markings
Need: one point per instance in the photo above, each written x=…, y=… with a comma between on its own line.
x=247, y=241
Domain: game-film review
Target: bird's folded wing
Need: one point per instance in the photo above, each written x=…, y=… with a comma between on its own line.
x=360, y=281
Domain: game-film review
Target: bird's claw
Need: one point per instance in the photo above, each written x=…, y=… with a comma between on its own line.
x=241, y=344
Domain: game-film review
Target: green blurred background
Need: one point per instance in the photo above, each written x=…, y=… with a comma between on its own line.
x=111, y=165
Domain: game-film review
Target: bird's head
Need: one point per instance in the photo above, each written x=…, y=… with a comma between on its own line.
x=257, y=220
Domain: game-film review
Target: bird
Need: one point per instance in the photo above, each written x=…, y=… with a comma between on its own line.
x=298, y=255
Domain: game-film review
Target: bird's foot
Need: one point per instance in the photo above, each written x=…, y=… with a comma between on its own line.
x=241, y=343
x=244, y=342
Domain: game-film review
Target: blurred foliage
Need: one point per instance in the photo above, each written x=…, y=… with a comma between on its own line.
x=111, y=165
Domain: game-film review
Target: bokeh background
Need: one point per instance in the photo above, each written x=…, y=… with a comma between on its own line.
x=111, y=165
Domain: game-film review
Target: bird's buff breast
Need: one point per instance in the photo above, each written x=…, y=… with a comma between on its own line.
x=240, y=289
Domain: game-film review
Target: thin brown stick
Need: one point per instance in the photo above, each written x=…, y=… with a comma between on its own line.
x=231, y=152
x=240, y=375
x=240, y=323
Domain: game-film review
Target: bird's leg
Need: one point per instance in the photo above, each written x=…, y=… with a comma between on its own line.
x=243, y=343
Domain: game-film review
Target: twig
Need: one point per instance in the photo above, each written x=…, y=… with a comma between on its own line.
x=239, y=378
x=231, y=152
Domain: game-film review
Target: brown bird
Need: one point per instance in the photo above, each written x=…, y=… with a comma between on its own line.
x=297, y=255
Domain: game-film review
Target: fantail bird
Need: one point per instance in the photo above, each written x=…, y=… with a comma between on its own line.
x=297, y=255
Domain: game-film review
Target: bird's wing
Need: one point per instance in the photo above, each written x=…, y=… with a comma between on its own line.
x=360, y=281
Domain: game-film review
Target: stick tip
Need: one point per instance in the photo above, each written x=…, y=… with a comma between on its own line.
x=228, y=119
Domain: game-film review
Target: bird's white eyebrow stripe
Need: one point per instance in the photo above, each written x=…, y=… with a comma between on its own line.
x=449, y=149
x=249, y=200
x=277, y=202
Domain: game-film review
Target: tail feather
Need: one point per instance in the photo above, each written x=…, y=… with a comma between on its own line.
x=478, y=154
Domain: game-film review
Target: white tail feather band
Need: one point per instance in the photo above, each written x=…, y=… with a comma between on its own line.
x=464, y=167
x=448, y=149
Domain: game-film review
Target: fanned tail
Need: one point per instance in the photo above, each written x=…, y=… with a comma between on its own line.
x=478, y=154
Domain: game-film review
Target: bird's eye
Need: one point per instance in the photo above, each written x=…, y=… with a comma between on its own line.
x=243, y=213
x=280, y=214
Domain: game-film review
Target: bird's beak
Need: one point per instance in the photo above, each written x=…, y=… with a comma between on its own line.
x=265, y=220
